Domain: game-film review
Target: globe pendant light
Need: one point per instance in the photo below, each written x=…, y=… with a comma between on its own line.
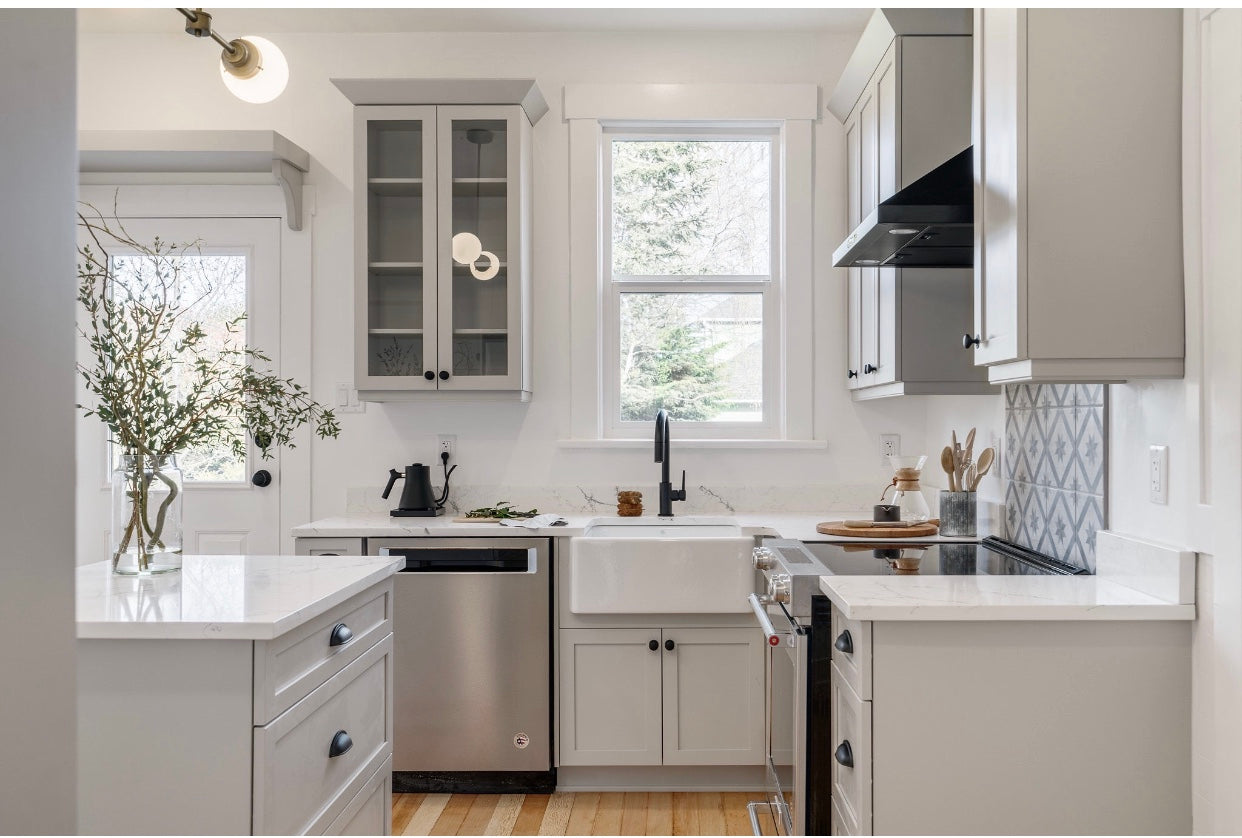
x=252, y=68
x=467, y=248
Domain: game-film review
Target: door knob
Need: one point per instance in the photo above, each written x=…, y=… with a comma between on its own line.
x=968, y=341
x=868, y=368
x=261, y=478
x=653, y=645
x=444, y=374
x=670, y=645
x=851, y=374
x=263, y=439
x=429, y=375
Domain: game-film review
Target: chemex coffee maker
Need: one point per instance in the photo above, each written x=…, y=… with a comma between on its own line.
x=418, y=500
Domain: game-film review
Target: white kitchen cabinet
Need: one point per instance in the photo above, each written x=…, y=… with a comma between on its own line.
x=329, y=547
x=428, y=325
x=999, y=727
x=195, y=735
x=1077, y=147
x=696, y=698
x=905, y=325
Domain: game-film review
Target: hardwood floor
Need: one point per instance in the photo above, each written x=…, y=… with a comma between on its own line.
x=575, y=813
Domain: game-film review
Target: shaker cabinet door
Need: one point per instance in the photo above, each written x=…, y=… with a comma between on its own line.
x=610, y=696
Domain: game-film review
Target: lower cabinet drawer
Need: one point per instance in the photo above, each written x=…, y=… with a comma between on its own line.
x=370, y=812
x=311, y=761
x=851, y=756
x=851, y=652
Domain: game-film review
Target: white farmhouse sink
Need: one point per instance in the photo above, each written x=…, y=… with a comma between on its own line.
x=660, y=566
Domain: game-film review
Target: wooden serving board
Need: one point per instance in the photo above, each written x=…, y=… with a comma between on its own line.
x=839, y=528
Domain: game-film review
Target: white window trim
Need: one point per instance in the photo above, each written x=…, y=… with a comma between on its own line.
x=792, y=108
x=770, y=285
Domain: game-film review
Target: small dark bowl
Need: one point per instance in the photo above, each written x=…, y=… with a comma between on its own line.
x=886, y=512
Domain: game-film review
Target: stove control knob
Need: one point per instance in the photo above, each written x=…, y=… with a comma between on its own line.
x=779, y=587
x=763, y=558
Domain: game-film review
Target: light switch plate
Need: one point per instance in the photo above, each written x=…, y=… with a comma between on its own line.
x=345, y=400
x=1158, y=473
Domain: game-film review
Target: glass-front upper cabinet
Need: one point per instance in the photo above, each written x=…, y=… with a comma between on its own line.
x=396, y=236
x=443, y=237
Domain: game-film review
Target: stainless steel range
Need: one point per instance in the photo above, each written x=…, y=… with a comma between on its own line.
x=795, y=618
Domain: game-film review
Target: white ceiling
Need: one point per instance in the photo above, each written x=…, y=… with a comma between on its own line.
x=233, y=22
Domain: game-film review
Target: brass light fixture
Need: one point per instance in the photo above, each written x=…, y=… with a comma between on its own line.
x=252, y=68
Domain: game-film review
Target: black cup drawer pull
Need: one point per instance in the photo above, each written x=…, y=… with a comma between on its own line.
x=340, y=744
x=341, y=634
x=845, y=643
x=845, y=754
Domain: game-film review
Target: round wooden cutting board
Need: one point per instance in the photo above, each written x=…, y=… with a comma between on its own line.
x=839, y=528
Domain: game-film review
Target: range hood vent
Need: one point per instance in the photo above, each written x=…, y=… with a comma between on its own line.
x=929, y=224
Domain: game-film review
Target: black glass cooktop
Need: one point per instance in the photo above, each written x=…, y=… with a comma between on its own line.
x=991, y=557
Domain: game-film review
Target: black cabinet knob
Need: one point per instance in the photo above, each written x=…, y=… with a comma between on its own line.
x=670, y=645
x=968, y=341
x=341, y=743
x=444, y=375
x=845, y=643
x=851, y=374
x=868, y=369
x=429, y=375
x=845, y=754
x=341, y=634
x=261, y=478
x=654, y=645
x=263, y=439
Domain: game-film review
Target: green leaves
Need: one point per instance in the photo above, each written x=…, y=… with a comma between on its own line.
x=161, y=382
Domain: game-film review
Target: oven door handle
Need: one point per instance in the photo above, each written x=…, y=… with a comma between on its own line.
x=773, y=637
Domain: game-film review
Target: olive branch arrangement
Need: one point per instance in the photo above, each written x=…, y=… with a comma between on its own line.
x=160, y=383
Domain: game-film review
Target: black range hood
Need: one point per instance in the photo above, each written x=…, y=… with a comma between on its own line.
x=929, y=224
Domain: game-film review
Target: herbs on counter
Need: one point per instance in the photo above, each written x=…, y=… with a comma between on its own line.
x=502, y=510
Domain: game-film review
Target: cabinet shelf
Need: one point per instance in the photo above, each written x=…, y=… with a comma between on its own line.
x=394, y=331
x=465, y=269
x=486, y=187
x=480, y=331
x=400, y=186
x=390, y=268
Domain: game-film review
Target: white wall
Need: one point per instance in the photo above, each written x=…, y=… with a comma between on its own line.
x=509, y=444
x=37, y=282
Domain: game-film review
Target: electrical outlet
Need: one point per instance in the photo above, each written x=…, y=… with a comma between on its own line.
x=347, y=400
x=448, y=445
x=890, y=445
x=1158, y=473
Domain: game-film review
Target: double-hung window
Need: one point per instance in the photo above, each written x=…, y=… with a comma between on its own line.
x=692, y=246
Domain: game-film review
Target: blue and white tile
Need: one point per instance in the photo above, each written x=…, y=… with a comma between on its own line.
x=1058, y=508
x=1088, y=520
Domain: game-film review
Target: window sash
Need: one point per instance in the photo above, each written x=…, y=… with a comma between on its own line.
x=769, y=286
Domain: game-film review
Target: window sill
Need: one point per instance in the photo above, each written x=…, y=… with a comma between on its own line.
x=682, y=442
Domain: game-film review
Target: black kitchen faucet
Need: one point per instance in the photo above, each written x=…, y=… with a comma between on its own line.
x=667, y=493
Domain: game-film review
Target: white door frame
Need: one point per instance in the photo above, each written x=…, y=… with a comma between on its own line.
x=296, y=281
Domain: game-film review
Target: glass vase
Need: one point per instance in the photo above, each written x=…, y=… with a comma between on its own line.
x=146, y=515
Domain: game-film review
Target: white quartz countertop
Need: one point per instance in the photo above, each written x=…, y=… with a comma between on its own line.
x=996, y=598
x=381, y=525
x=221, y=597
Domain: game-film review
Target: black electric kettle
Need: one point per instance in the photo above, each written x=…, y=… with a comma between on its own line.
x=417, y=498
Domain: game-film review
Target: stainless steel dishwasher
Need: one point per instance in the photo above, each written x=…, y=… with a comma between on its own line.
x=472, y=681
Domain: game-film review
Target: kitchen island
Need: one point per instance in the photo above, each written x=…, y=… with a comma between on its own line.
x=241, y=695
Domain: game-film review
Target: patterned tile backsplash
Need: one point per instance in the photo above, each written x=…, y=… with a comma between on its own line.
x=1055, y=468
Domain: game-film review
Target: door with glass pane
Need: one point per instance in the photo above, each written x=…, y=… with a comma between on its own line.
x=480, y=247
x=234, y=271
x=395, y=183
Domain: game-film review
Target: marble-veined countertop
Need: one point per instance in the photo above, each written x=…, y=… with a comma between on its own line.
x=221, y=597
x=382, y=525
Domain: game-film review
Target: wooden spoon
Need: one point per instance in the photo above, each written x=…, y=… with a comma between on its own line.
x=986, y=459
x=946, y=463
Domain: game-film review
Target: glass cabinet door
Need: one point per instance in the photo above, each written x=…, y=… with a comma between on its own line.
x=397, y=302
x=478, y=242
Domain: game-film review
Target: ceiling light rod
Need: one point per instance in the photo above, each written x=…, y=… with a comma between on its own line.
x=237, y=53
